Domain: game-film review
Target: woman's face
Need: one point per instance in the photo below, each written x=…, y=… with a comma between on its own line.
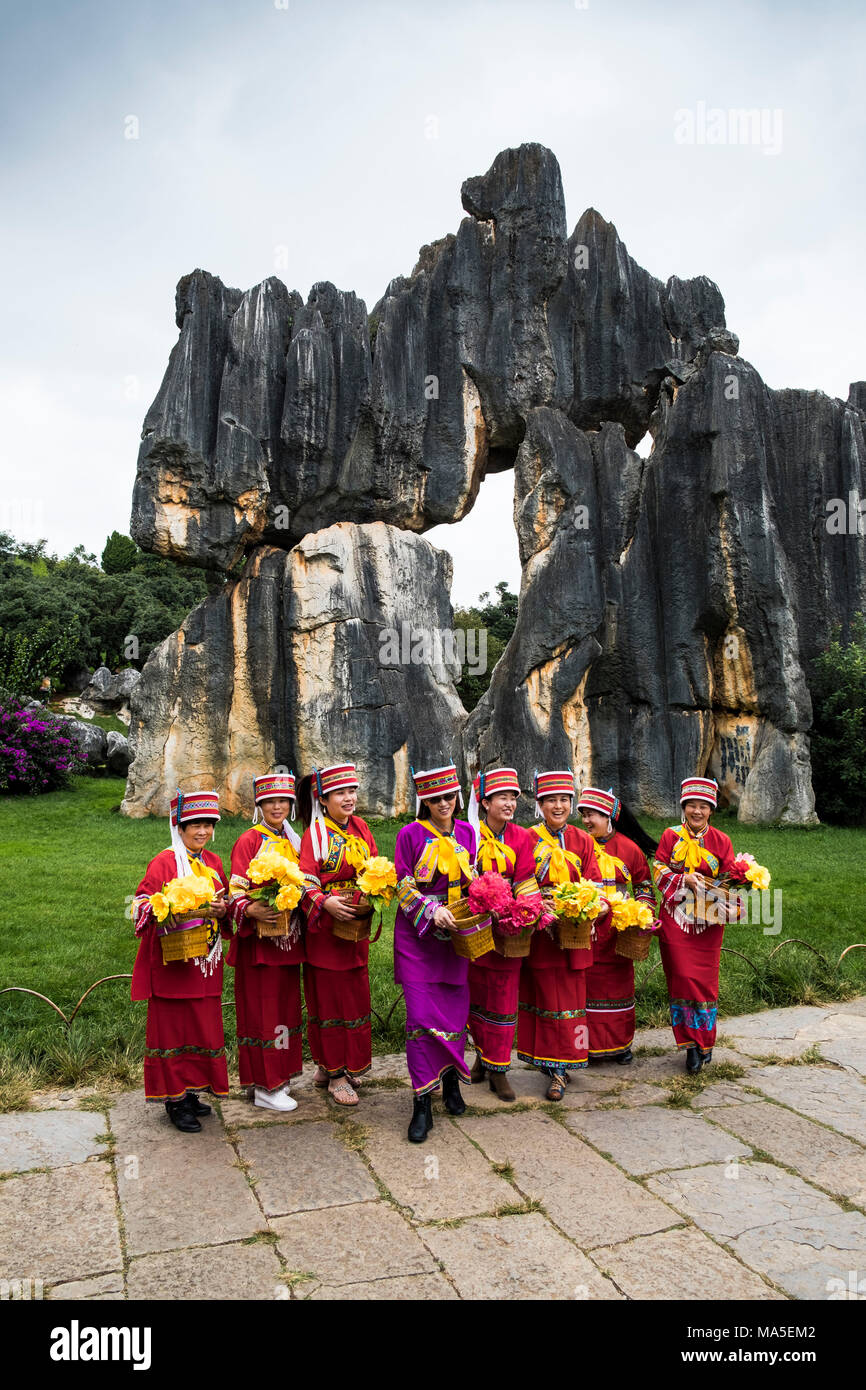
x=340, y=805
x=500, y=806
x=441, y=809
x=196, y=833
x=697, y=814
x=275, y=810
x=556, y=810
x=595, y=821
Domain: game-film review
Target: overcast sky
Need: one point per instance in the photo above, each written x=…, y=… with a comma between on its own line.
x=343, y=131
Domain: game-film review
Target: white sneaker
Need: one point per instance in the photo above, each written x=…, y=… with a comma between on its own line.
x=274, y=1100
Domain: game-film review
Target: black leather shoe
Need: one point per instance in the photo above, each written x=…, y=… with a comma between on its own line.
x=197, y=1106
x=182, y=1117
x=625, y=1058
x=451, y=1096
x=422, y=1119
x=694, y=1061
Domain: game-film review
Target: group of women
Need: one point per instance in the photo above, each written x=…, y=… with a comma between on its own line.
x=564, y=1007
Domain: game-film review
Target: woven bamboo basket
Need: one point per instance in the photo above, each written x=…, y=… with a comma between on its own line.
x=513, y=945
x=633, y=943
x=473, y=935
x=723, y=902
x=183, y=942
x=281, y=927
x=358, y=929
x=573, y=933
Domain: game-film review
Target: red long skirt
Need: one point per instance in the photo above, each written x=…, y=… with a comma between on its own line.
x=338, y=1019
x=268, y=1007
x=691, y=966
x=551, y=1026
x=493, y=997
x=184, y=1048
x=609, y=998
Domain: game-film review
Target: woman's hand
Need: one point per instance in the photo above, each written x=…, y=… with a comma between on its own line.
x=694, y=881
x=261, y=911
x=339, y=908
x=443, y=918
x=219, y=908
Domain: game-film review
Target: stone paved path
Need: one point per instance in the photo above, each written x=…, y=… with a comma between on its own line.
x=747, y=1183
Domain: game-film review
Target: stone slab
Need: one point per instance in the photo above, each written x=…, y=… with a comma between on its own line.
x=69, y=1098
x=301, y=1167
x=722, y=1093
x=418, y=1288
x=135, y=1121
x=104, y=1288
x=836, y=1098
x=774, y=1222
x=184, y=1190
x=584, y=1194
x=651, y=1138
x=233, y=1271
x=312, y=1105
x=48, y=1139
x=351, y=1244
x=669, y=1067
x=817, y=1154
x=442, y=1178
x=773, y=1023
x=59, y=1226
x=679, y=1265
x=628, y=1097
x=514, y=1258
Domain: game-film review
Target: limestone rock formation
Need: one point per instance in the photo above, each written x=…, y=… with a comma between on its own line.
x=325, y=650
x=670, y=606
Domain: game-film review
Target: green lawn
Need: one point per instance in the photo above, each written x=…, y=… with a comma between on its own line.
x=69, y=864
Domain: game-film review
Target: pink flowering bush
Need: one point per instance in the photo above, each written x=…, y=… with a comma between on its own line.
x=36, y=752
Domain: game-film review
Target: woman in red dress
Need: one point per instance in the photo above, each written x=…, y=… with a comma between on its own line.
x=334, y=848
x=494, y=980
x=267, y=968
x=184, y=1042
x=551, y=1029
x=691, y=941
x=610, y=1003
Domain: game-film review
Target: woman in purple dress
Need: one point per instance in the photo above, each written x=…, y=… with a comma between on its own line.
x=435, y=858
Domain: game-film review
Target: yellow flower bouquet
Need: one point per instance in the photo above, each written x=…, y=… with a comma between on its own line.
x=280, y=884
x=378, y=882
x=182, y=895
x=576, y=906
x=748, y=870
x=634, y=923
x=182, y=908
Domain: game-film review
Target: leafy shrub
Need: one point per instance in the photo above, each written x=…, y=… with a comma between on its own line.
x=37, y=753
x=838, y=736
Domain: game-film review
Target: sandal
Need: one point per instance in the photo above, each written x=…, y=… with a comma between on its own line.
x=343, y=1089
x=556, y=1089
x=322, y=1085
x=355, y=1081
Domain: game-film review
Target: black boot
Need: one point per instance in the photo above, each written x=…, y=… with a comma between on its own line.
x=625, y=1058
x=451, y=1096
x=197, y=1106
x=422, y=1119
x=181, y=1116
x=694, y=1061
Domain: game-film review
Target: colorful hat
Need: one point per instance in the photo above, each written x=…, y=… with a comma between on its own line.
x=324, y=781
x=273, y=785
x=436, y=781
x=594, y=799
x=552, y=784
x=499, y=779
x=700, y=789
x=186, y=807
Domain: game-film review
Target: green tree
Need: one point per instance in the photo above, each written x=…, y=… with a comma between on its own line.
x=119, y=554
x=498, y=619
x=838, y=736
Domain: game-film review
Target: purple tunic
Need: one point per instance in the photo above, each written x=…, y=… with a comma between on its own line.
x=433, y=977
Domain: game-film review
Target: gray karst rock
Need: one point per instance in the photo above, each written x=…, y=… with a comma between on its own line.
x=108, y=692
x=91, y=739
x=670, y=606
x=117, y=753
x=325, y=651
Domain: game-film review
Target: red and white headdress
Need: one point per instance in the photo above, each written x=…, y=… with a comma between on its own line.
x=187, y=807
x=436, y=781
x=327, y=780
x=273, y=785
x=594, y=799
x=499, y=779
x=552, y=784
x=700, y=789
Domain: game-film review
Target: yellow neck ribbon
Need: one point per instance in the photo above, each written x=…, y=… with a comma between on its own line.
x=355, y=850
x=494, y=853
x=452, y=859
x=560, y=859
x=688, y=851
x=608, y=864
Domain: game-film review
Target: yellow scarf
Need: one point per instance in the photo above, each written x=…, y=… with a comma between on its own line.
x=557, y=869
x=452, y=859
x=355, y=850
x=494, y=853
x=687, y=851
x=608, y=864
x=265, y=830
